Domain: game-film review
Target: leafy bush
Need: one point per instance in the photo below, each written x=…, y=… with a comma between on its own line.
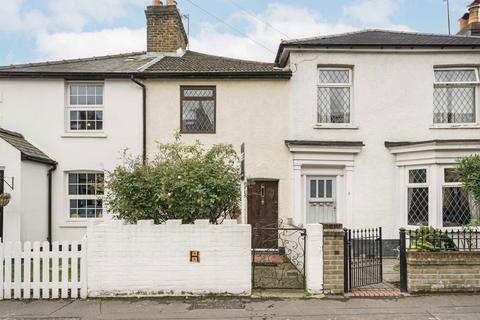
x=430, y=239
x=469, y=171
x=184, y=182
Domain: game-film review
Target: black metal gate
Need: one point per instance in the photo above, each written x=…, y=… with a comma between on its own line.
x=363, y=258
x=278, y=257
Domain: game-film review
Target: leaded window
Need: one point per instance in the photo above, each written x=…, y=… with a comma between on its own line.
x=334, y=95
x=85, y=194
x=457, y=206
x=198, y=108
x=455, y=96
x=418, y=197
x=85, y=107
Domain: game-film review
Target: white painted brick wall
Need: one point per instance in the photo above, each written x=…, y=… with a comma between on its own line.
x=148, y=259
x=314, y=258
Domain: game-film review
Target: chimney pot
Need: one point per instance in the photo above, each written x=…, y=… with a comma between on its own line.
x=157, y=3
x=171, y=2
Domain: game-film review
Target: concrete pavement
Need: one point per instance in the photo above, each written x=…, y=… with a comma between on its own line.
x=440, y=307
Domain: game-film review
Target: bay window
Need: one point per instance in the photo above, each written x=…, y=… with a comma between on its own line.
x=418, y=197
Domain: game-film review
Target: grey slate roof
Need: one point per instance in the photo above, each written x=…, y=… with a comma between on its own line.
x=141, y=64
x=382, y=38
x=194, y=62
x=121, y=63
x=27, y=150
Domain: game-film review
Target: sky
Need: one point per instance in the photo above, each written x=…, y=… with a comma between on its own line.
x=45, y=30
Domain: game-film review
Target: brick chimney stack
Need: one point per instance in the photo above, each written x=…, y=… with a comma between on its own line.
x=165, y=30
x=470, y=22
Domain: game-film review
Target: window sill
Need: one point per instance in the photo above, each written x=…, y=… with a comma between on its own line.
x=455, y=126
x=339, y=126
x=84, y=135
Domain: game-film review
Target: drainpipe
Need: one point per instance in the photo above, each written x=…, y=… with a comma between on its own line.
x=144, y=116
x=50, y=173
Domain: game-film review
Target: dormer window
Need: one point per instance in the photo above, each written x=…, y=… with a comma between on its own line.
x=455, y=96
x=85, y=107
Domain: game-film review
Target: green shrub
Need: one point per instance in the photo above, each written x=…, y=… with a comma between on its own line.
x=186, y=182
x=430, y=239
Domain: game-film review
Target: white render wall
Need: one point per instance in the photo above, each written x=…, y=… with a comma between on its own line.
x=314, y=259
x=36, y=109
x=148, y=259
x=392, y=101
x=10, y=162
x=34, y=188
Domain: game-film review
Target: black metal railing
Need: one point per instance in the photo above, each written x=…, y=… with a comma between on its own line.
x=363, y=258
x=430, y=239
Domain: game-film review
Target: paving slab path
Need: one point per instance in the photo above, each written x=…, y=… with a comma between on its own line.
x=440, y=307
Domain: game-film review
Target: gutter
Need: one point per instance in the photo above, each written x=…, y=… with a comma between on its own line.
x=72, y=76
x=144, y=118
x=50, y=220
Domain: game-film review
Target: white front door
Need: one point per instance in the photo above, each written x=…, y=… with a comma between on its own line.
x=321, y=200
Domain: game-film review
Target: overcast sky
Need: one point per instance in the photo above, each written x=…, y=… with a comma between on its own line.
x=38, y=30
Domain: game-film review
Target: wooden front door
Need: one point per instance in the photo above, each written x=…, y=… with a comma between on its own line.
x=263, y=212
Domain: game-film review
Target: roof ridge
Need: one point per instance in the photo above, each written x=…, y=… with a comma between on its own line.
x=56, y=62
x=11, y=133
x=375, y=30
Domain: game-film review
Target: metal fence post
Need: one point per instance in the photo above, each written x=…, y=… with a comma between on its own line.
x=403, y=261
x=346, y=257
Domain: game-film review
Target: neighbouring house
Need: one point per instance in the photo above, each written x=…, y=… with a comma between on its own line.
x=378, y=120
x=81, y=113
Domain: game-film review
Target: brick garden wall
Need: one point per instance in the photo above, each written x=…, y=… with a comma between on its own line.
x=443, y=271
x=333, y=237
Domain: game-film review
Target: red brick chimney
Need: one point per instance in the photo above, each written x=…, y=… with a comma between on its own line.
x=165, y=30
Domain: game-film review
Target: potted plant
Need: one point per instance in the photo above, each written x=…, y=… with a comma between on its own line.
x=4, y=199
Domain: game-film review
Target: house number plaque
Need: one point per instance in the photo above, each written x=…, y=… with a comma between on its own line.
x=195, y=256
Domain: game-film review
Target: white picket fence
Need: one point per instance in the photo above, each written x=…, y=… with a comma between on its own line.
x=38, y=271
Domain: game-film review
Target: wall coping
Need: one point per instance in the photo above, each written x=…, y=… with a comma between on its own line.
x=443, y=258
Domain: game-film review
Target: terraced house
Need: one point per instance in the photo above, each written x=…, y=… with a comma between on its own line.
x=361, y=129
x=77, y=116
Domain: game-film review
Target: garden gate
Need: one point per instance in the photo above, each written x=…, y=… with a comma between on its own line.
x=363, y=258
x=278, y=257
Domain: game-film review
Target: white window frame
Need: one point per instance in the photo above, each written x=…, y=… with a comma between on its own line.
x=86, y=108
x=83, y=196
x=348, y=85
x=475, y=84
x=409, y=185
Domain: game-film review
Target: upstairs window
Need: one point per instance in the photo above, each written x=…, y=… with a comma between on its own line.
x=198, y=109
x=334, y=95
x=455, y=96
x=85, y=107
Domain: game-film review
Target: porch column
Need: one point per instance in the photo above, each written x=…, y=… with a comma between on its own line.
x=349, y=195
